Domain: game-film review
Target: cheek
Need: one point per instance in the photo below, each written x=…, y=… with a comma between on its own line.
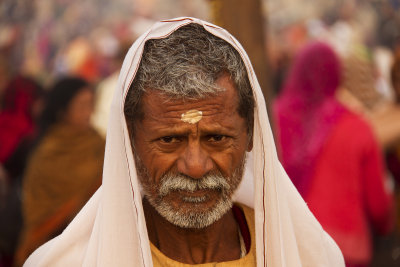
x=85, y=111
x=227, y=163
x=230, y=160
x=160, y=164
x=155, y=163
x=148, y=183
x=79, y=114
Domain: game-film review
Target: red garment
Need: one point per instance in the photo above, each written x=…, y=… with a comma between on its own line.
x=347, y=194
x=13, y=129
x=331, y=154
x=16, y=121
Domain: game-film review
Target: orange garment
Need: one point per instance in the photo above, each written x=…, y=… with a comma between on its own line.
x=63, y=172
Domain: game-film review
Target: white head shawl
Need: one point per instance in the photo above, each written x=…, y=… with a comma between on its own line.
x=111, y=230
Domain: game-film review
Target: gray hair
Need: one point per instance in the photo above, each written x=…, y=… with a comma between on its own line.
x=186, y=65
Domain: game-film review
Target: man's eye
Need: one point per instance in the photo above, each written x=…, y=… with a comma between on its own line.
x=169, y=139
x=216, y=138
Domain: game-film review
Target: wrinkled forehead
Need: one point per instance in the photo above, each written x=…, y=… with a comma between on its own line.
x=192, y=110
x=163, y=30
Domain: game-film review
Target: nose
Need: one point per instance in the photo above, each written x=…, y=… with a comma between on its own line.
x=194, y=161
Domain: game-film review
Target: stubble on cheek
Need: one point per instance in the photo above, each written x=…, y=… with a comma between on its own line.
x=149, y=186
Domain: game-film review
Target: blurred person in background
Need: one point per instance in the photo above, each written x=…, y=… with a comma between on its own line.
x=17, y=127
x=362, y=91
x=16, y=116
x=331, y=155
x=359, y=79
x=65, y=166
x=389, y=248
x=5, y=74
x=393, y=154
x=105, y=91
x=366, y=91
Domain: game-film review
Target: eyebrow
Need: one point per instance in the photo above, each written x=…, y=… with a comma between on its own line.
x=204, y=130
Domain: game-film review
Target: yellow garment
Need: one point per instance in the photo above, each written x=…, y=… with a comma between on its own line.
x=160, y=260
x=63, y=172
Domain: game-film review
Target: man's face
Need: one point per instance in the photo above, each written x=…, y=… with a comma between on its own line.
x=189, y=171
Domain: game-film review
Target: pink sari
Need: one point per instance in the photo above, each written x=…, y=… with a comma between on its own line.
x=306, y=111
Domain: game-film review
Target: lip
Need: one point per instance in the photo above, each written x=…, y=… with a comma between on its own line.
x=197, y=193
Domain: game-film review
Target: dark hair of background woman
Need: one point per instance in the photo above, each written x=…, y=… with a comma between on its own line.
x=57, y=101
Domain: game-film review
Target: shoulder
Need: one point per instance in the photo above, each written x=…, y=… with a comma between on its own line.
x=354, y=120
x=356, y=128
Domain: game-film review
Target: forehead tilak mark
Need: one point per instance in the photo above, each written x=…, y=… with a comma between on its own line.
x=192, y=116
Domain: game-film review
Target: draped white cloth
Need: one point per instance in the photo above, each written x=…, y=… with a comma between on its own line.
x=111, y=231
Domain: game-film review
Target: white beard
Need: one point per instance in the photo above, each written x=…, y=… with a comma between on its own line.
x=194, y=217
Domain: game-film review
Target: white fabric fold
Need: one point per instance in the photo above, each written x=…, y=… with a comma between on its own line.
x=111, y=230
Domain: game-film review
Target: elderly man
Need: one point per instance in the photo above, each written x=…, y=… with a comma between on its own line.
x=177, y=188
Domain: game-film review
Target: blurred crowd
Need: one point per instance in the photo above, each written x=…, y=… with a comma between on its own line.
x=336, y=112
x=337, y=122
x=51, y=161
x=59, y=64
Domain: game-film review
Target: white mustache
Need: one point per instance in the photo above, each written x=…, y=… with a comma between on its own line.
x=175, y=182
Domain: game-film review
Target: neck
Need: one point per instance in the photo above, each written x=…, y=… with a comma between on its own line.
x=218, y=242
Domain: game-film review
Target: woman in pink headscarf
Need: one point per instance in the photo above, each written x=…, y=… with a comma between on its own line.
x=331, y=155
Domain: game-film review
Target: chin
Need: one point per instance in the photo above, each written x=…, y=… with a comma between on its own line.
x=193, y=212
